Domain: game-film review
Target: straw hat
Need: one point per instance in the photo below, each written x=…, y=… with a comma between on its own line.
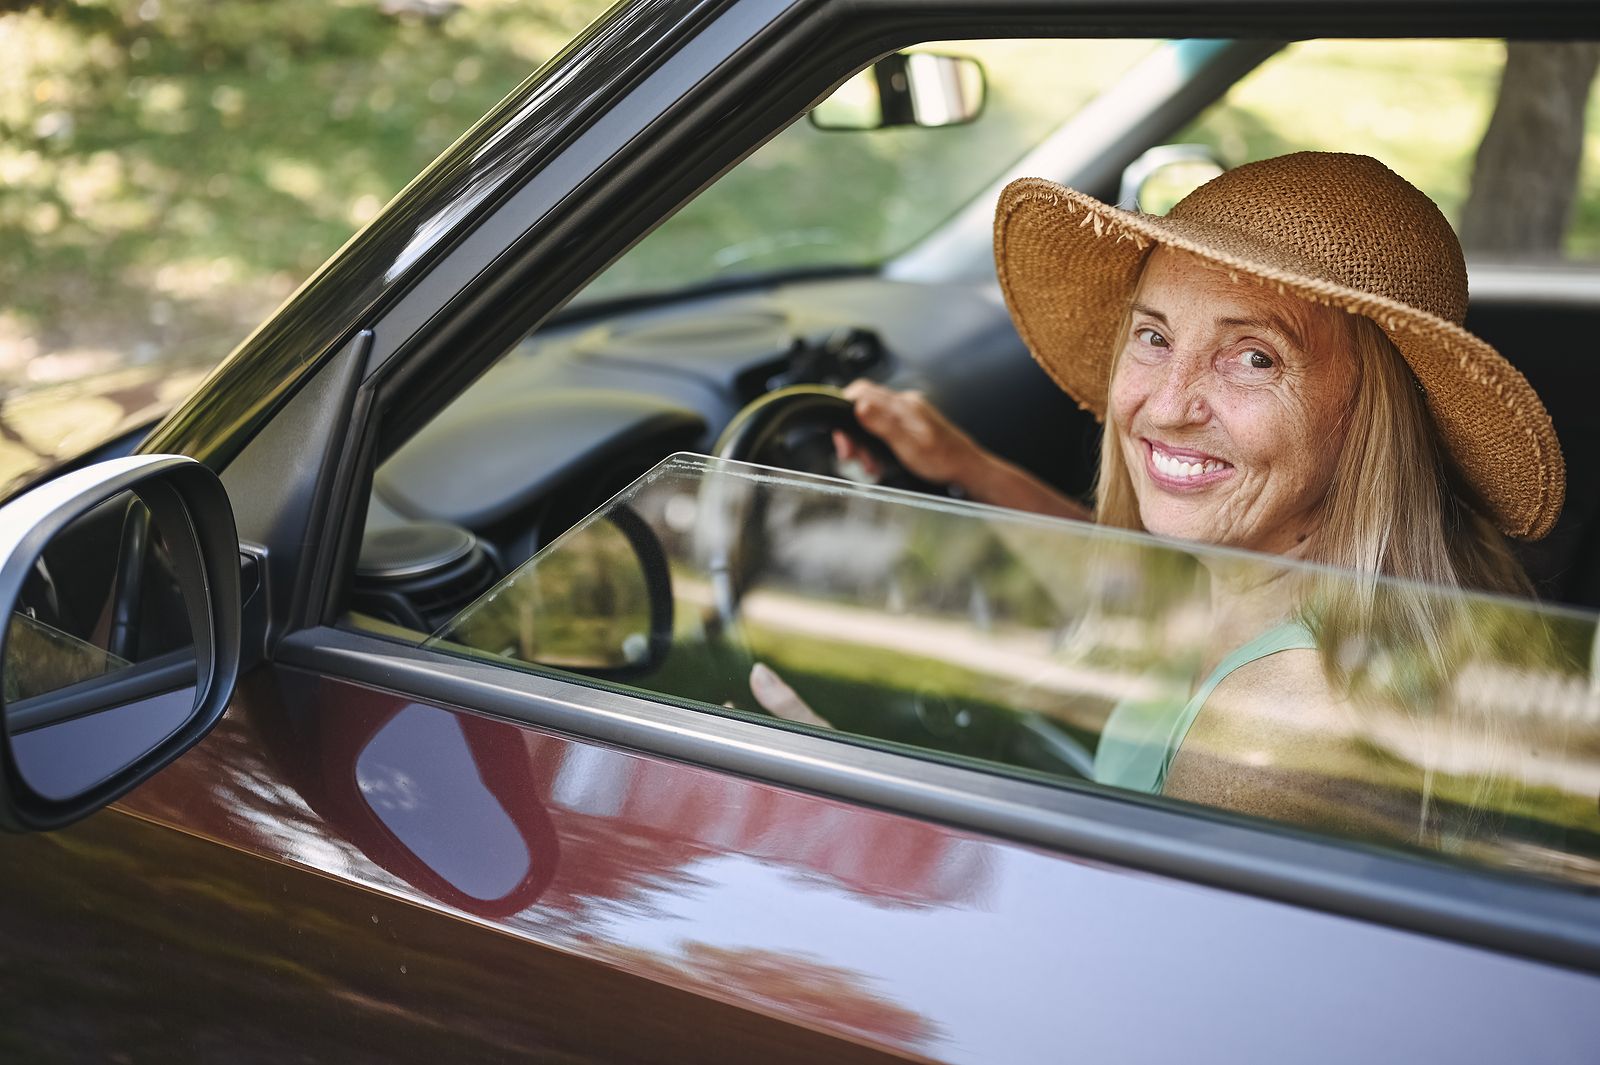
x=1341, y=230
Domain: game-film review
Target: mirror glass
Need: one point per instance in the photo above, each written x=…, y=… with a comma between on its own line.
x=915, y=89
x=585, y=606
x=1165, y=174
x=100, y=662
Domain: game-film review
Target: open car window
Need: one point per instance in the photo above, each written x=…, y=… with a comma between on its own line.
x=1508, y=145
x=1393, y=713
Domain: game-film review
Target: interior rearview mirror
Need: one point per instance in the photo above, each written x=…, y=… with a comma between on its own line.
x=906, y=89
x=120, y=587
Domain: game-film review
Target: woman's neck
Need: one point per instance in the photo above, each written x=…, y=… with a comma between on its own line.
x=1248, y=596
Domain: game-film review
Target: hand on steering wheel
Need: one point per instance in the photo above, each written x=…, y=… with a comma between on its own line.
x=813, y=429
x=925, y=442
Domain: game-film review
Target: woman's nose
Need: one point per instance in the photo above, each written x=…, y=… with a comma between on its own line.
x=1179, y=395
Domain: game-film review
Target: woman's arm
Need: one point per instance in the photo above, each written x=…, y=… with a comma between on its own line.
x=933, y=448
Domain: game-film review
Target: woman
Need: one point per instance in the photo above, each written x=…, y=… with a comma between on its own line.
x=1280, y=366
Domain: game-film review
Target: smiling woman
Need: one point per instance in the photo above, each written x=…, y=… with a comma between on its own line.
x=1281, y=368
x=1233, y=401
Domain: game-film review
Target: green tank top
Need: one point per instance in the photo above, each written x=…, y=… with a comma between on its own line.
x=1141, y=738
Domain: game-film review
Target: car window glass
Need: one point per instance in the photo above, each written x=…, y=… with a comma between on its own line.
x=827, y=198
x=1424, y=108
x=1066, y=652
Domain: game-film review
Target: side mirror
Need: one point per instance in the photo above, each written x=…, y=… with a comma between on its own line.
x=120, y=586
x=906, y=89
x=1158, y=179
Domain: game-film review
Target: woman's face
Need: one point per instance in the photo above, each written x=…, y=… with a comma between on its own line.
x=1229, y=402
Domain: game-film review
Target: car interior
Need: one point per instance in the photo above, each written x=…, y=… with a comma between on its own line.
x=637, y=368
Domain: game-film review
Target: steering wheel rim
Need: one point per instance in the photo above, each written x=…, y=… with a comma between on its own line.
x=763, y=423
x=1029, y=739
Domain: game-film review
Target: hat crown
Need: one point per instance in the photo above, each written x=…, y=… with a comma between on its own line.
x=1368, y=227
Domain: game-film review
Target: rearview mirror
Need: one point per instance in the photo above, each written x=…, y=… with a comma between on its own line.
x=120, y=586
x=906, y=89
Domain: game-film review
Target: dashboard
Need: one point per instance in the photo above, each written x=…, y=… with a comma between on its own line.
x=578, y=410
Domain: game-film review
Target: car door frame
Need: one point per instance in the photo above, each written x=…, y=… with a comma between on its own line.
x=543, y=224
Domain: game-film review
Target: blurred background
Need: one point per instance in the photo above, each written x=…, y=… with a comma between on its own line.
x=171, y=169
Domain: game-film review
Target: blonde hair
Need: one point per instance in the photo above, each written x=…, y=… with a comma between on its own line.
x=1395, y=465
x=1397, y=507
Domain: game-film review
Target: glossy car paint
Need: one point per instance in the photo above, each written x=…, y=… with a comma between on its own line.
x=577, y=899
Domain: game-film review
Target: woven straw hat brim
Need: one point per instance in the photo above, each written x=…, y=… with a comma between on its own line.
x=1068, y=266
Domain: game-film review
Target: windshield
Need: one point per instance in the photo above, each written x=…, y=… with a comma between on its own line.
x=813, y=198
x=1389, y=712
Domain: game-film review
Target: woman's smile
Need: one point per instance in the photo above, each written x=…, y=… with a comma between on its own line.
x=1183, y=469
x=1260, y=376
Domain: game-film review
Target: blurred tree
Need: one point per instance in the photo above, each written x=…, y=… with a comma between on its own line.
x=170, y=169
x=1526, y=173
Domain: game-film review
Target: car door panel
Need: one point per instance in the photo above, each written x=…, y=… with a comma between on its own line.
x=215, y=916
x=693, y=904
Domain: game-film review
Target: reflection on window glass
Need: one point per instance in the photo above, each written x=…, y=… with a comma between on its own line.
x=1384, y=711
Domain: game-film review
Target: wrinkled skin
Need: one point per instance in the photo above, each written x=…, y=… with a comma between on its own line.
x=1247, y=388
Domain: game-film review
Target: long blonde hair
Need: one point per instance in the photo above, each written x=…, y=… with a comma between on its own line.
x=1398, y=507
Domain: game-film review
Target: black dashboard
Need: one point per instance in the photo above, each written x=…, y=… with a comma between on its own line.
x=577, y=411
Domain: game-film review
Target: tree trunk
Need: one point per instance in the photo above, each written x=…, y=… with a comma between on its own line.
x=1526, y=173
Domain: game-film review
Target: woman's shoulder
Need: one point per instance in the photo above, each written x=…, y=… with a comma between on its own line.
x=1282, y=700
x=1270, y=740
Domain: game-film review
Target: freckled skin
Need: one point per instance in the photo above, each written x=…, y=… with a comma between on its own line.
x=1237, y=372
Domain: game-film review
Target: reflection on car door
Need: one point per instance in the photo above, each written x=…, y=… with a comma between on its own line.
x=421, y=883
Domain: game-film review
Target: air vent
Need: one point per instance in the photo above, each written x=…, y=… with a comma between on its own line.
x=422, y=574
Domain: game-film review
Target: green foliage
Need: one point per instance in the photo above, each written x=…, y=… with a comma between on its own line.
x=824, y=197
x=171, y=169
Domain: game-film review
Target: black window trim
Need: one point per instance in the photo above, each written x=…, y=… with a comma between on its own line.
x=1513, y=915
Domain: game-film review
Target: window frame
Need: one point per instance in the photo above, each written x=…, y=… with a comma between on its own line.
x=503, y=277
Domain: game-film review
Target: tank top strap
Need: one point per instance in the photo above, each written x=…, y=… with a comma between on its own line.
x=1289, y=636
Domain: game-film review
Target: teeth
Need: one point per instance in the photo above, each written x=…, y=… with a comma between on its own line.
x=1174, y=467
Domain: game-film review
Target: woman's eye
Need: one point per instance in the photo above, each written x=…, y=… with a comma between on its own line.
x=1151, y=337
x=1259, y=360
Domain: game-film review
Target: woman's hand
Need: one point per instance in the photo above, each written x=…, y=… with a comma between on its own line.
x=926, y=442
x=932, y=447
x=780, y=700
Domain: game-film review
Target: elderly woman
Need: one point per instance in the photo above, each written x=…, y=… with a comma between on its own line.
x=1281, y=367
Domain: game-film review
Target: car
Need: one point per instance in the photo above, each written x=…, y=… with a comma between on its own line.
x=388, y=700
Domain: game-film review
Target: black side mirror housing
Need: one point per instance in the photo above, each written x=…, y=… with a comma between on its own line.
x=120, y=585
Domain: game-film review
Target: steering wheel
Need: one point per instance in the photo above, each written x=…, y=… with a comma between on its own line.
x=792, y=428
